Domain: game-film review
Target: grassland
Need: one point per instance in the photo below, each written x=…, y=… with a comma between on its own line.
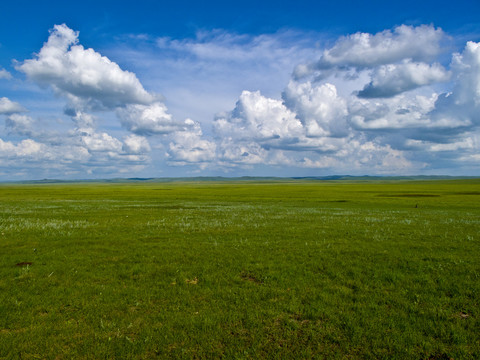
x=240, y=270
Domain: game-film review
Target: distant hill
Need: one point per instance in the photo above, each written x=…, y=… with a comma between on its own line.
x=246, y=178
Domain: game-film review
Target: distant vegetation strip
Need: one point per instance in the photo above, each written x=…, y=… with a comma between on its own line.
x=245, y=178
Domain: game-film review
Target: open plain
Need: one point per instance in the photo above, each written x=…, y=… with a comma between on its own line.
x=240, y=269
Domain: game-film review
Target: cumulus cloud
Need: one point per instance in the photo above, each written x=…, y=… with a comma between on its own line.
x=134, y=144
x=100, y=142
x=467, y=143
x=393, y=79
x=363, y=50
x=82, y=119
x=395, y=72
x=395, y=116
x=94, y=88
x=103, y=149
x=396, y=113
x=380, y=157
x=260, y=129
x=466, y=67
x=308, y=129
x=8, y=107
x=254, y=129
x=188, y=147
x=67, y=158
x=232, y=154
x=4, y=74
x=319, y=108
x=462, y=104
x=19, y=124
x=201, y=75
x=25, y=149
x=91, y=83
x=149, y=119
x=402, y=107
x=82, y=152
x=371, y=103
x=259, y=118
x=83, y=74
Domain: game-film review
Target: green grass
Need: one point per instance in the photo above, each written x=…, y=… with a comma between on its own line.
x=241, y=270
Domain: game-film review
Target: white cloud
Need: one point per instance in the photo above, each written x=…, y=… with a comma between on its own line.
x=4, y=74
x=233, y=153
x=221, y=46
x=259, y=118
x=393, y=79
x=375, y=103
x=100, y=142
x=322, y=163
x=462, y=104
x=255, y=131
x=396, y=113
x=94, y=88
x=25, y=149
x=467, y=143
x=363, y=50
x=466, y=67
x=380, y=157
x=149, y=119
x=398, y=107
x=83, y=120
x=358, y=153
x=91, y=82
x=19, y=124
x=188, y=147
x=134, y=144
x=82, y=74
x=267, y=131
x=320, y=109
x=395, y=72
x=203, y=75
x=8, y=107
x=81, y=156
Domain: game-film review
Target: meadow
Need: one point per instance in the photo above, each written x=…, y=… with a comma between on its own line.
x=240, y=270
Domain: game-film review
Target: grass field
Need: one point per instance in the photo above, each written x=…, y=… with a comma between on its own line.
x=240, y=270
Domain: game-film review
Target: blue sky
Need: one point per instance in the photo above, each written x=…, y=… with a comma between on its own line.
x=104, y=89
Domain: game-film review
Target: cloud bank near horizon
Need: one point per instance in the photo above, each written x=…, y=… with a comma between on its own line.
x=385, y=103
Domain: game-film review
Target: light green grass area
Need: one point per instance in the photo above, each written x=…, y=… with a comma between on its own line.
x=240, y=270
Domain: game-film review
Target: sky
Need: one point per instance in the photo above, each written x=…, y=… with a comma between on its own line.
x=106, y=89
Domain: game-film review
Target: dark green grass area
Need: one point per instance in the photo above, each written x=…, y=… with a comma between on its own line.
x=241, y=270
